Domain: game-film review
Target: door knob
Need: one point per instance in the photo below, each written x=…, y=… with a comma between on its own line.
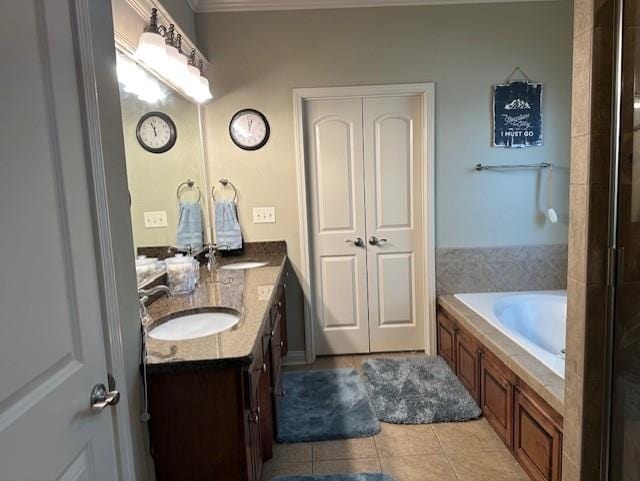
x=374, y=241
x=101, y=398
x=358, y=242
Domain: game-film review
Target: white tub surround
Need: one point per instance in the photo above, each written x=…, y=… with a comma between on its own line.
x=546, y=382
x=535, y=320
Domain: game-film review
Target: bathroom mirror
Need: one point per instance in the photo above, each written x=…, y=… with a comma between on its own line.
x=165, y=164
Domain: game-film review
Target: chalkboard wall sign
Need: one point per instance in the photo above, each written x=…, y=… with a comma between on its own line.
x=517, y=114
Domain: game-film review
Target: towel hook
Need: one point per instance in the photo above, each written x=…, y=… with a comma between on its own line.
x=189, y=183
x=224, y=183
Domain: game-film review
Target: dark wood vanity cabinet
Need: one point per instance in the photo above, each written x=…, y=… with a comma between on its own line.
x=528, y=426
x=496, y=400
x=446, y=339
x=537, y=437
x=467, y=355
x=219, y=423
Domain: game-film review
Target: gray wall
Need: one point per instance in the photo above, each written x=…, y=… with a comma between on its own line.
x=183, y=15
x=259, y=57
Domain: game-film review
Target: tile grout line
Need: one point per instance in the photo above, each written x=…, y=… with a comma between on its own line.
x=446, y=456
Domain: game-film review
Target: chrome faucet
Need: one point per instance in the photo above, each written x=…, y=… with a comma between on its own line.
x=144, y=294
x=212, y=262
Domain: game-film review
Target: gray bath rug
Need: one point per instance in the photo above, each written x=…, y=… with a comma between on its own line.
x=338, y=477
x=324, y=405
x=417, y=390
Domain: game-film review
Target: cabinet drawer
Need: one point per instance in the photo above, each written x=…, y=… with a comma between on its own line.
x=446, y=339
x=468, y=363
x=537, y=442
x=496, y=387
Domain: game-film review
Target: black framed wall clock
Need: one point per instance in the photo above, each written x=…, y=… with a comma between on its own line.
x=156, y=132
x=249, y=129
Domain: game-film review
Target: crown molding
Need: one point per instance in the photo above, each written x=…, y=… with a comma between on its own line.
x=206, y=6
x=193, y=4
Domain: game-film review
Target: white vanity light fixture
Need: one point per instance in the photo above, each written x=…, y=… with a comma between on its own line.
x=200, y=91
x=161, y=49
x=152, y=45
x=136, y=81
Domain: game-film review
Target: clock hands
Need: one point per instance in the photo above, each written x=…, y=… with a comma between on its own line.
x=155, y=133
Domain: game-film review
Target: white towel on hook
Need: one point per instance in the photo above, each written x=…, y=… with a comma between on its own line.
x=228, y=234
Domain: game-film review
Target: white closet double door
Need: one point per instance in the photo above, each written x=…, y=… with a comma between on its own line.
x=364, y=158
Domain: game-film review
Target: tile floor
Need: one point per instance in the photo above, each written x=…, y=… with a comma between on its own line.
x=468, y=451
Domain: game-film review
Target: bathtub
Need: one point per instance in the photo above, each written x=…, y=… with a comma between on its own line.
x=534, y=320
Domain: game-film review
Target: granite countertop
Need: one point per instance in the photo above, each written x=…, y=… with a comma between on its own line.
x=546, y=383
x=250, y=292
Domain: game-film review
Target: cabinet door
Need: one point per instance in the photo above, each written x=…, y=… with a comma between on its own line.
x=277, y=345
x=446, y=340
x=537, y=440
x=496, y=390
x=468, y=363
x=282, y=308
x=266, y=404
x=253, y=413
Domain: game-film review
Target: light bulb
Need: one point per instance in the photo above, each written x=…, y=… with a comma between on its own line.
x=176, y=65
x=151, y=49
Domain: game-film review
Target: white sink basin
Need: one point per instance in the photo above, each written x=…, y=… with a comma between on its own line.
x=244, y=265
x=192, y=326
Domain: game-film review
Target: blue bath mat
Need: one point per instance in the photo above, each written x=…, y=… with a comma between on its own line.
x=325, y=405
x=338, y=477
x=417, y=390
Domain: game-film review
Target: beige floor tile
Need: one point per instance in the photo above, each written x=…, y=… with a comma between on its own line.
x=333, y=362
x=467, y=437
x=292, y=453
x=489, y=466
x=345, y=466
x=345, y=449
x=406, y=440
x=273, y=468
x=426, y=467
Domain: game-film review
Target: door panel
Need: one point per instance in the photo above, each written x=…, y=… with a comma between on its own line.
x=392, y=142
x=339, y=287
x=333, y=139
x=393, y=137
x=396, y=282
x=334, y=171
x=52, y=351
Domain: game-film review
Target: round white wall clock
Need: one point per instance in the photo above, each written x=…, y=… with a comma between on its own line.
x=156, y=132
x=249, y=129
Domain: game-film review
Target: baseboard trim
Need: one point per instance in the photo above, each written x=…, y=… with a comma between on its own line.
x=295, y=358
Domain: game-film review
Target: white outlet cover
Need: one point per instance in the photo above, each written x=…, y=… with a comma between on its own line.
x=155, y=219
x=264, y=215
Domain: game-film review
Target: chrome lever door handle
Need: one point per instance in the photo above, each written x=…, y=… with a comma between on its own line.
x=358, y=242
x=101, y=398
x=374, y=241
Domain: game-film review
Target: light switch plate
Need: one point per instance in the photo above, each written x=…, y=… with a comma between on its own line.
x=264, y=215
x=155, y=219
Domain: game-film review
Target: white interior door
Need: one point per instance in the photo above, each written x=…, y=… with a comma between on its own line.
x=392, y=131
x=52, y=351
x=333, y=139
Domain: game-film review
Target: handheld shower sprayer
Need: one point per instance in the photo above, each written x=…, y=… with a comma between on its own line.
x=551, y=212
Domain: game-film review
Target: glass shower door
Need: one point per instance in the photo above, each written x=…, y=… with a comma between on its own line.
x=624, y=453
